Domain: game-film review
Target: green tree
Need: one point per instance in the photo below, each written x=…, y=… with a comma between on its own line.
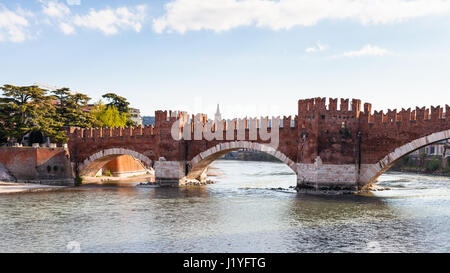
x=109, y=116
x=5, y=120
x=3, y=134
x=434, y=164
x=121, y=104
x=28, y=108
x=423, y=157
x=70, y=109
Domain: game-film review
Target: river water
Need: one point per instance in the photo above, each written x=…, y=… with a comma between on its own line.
x=240, y=213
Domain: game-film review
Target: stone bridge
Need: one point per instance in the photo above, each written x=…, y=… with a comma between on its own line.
x=328, y=147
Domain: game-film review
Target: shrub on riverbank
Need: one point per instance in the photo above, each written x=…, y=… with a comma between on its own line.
x=78, y=181
x=250, y=156
x=433, y=165
x=423, y=164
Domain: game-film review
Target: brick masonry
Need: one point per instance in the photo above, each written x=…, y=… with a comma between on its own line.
x=50, y=166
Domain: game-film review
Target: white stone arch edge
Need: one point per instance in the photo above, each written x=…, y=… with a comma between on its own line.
x=115, y=151
x=228, y=146
x=370, y=172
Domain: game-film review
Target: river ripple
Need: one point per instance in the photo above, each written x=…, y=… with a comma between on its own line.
x=240, y=213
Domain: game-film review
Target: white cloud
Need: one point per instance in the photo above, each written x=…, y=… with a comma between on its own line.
x=55, y=9
x=222, y=15
x=317, y=47
x=110, y=21
x=58, y=14
x=367, y=50
x=66, y=28
x=73, y=2
x=14, y=25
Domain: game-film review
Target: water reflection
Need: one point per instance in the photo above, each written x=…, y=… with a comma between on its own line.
x=345, y=224
x=240, y=213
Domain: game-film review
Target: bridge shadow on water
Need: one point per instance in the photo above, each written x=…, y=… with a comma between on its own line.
x=278, y=222
x=150, y=192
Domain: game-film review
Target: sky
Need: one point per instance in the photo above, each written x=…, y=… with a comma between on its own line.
x=253, y=57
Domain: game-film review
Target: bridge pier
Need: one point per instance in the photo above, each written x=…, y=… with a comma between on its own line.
x=327, y=177
x=169, y=173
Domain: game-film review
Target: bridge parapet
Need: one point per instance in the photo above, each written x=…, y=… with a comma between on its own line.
x=166, y=119
x=307, y=108
x=107, y=132
x=405, y=117
x=237, y=126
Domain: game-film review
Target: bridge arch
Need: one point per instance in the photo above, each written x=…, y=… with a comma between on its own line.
x=371, y=172
x=199, y=164
x=98, y=160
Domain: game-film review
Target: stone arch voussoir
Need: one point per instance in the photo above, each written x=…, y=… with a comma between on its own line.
x=200, y=162
x=370, y=172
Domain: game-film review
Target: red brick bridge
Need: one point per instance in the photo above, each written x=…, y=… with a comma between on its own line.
x=326, y=146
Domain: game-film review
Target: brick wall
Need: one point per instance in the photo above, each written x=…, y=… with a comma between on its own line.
x=37, y=164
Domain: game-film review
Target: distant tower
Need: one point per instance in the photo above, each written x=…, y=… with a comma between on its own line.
x=218, y=115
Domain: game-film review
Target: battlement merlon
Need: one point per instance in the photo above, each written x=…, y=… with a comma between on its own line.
x=423, y=114
x=107, y=132
x=308, y=107
x=316, y=107
x=167, y=118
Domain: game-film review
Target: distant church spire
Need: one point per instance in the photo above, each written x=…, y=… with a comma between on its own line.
x=218, y=115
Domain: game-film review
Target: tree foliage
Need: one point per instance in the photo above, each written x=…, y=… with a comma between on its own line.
x=28, y=108
x=433, y=164
x=109, y=116
x=71, y=109
x=121, y=104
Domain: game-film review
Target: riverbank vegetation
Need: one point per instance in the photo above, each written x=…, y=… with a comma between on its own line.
x=36, y=113
x=423, y=164
x=417, y=164
x=245, y=155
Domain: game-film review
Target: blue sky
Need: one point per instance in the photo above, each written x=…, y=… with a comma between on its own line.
x=254, y=57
